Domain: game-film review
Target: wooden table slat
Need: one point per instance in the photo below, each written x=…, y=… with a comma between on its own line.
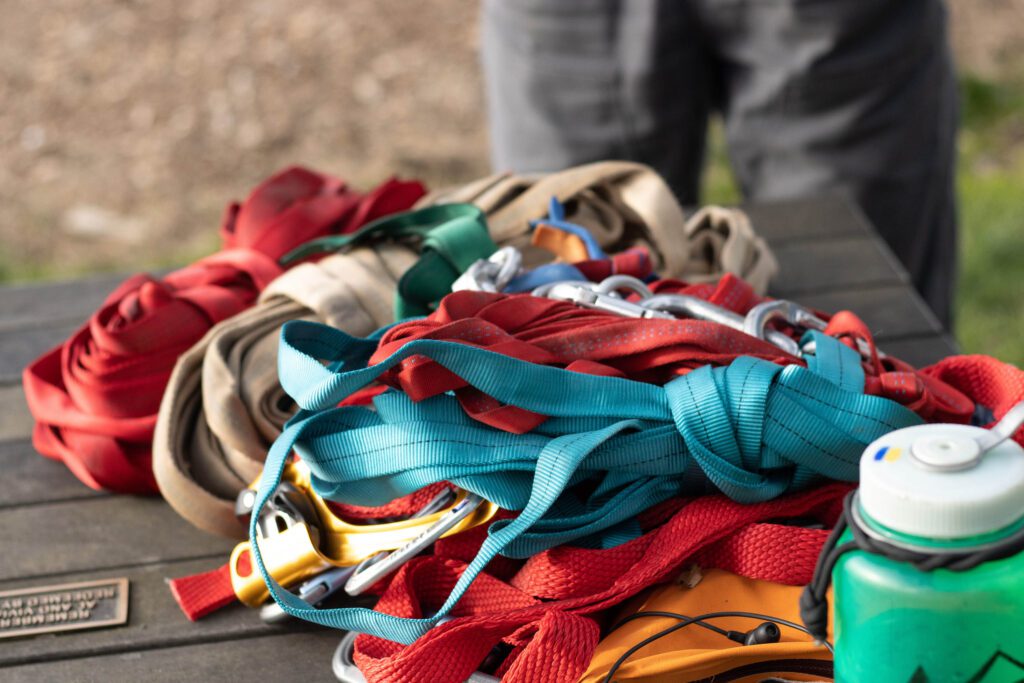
x=35, y=303
x=15, y=420
x=40, y=480
x=19, y=347
x=822, y=218
x=890, y=311
x=921, y=351
x=154, y=618
x=303, y=656
x=97, y=533
x=838, y=265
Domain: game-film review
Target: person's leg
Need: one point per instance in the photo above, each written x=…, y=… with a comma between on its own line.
x=858, y=96
x=575, y=81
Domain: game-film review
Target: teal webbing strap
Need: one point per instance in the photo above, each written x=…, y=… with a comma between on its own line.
x=447, y=252
x=753, y=429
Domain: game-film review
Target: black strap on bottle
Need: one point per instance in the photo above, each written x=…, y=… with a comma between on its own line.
x=813, y=604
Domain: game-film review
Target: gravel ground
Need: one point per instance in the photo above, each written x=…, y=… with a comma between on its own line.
x=126, y=126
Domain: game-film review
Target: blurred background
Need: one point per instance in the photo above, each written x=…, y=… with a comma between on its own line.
x=125, y=127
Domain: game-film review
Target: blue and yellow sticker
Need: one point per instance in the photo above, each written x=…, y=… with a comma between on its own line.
x=888, y=454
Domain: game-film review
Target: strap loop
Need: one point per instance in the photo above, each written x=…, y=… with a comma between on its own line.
x=769, y=429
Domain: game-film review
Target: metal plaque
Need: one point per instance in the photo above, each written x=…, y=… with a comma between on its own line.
x=66, y=607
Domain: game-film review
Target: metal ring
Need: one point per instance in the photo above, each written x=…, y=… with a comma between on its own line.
x=613, y=283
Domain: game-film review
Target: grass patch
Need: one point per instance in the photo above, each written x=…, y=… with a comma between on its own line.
x=990, y=179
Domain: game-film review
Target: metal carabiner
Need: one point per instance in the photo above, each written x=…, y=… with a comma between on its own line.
x=491, y=274
x=587, y=295
x=329, y=582
x=286, y=507
x=796, y=315
x=613, y=284
x=757, y=320
x=695, y=307
x=604, y=296
x=345, y=670
x=314, y=591
x=373, y=569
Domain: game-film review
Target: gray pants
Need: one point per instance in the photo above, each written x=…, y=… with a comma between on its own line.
x=853, y=95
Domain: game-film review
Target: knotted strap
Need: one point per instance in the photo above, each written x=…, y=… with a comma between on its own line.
x=752, y=429
x=622, y=204
x=95, y=397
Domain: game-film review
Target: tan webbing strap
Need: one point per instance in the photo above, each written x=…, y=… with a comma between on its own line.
x=623, y=204
x=224, y=406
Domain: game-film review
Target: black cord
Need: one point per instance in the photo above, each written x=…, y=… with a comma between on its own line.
x=813, y=601
x=686, y=621
x=669, y=615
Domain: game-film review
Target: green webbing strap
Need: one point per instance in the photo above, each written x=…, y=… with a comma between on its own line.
x=448, y=251
x=452, y=236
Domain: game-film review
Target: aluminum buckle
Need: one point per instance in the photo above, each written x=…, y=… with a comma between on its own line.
x=286, y=507
x=289, y=535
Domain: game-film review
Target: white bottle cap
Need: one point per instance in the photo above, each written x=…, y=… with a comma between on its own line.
x=937, y=481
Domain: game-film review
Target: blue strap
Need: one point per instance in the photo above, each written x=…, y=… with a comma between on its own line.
x=752, y=429
x=556, y=219
x=541, y=275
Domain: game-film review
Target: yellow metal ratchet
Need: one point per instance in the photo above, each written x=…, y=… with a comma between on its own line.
x=298, y=548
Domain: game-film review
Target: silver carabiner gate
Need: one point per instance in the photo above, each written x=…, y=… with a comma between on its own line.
x=373, y=569
x=314, y=591
x=591, y=295
x=798, y=316
x=327, y=583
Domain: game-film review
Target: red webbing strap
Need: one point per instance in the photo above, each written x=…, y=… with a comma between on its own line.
x=201, y=594
x=635, y=261
x=95, y=397
x=557, y=647
x=986, y=381
x=561, y=334
x=755, y=550
x=929, y=397
x=585, y=582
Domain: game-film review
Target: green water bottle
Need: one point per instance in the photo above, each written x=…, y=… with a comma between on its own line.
x=928, y=576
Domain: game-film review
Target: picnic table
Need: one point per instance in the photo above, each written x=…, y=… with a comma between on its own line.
x=54, y=530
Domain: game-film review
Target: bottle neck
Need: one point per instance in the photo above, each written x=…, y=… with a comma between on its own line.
x=933, y=545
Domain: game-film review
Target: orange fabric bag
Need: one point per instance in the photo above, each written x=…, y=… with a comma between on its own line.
x=694, y=653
